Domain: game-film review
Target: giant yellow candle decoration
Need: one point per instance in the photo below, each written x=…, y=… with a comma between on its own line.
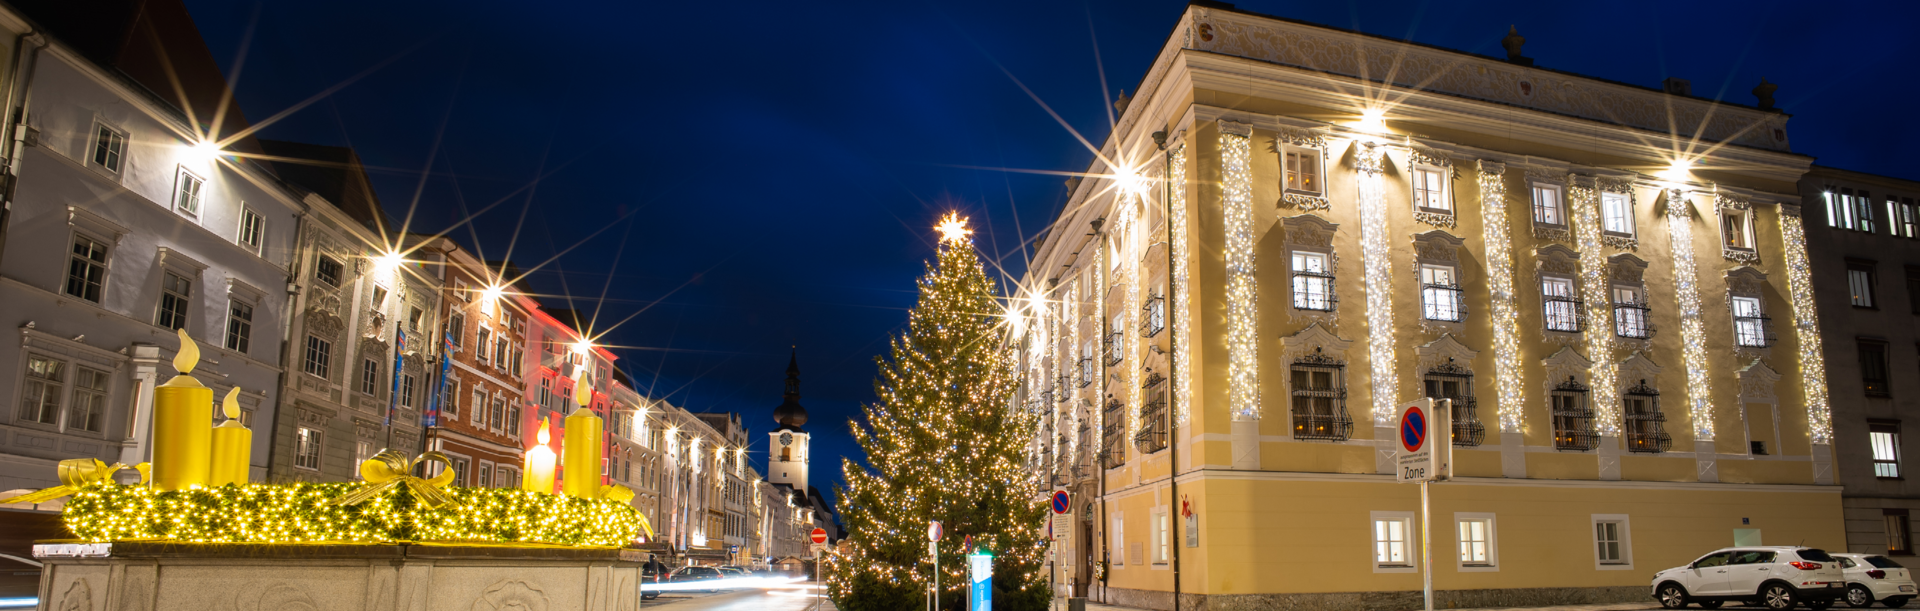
x=182, y=424
x=232, y=445
x=537, y=471
x=581, y=453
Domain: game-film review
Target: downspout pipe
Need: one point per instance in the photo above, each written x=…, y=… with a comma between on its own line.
x=26, y=52
x=1173, y=346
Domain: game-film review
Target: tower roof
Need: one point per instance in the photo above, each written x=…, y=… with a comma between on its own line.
x=790, y=414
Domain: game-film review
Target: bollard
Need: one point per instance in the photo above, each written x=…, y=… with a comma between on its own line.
x=1077, y=603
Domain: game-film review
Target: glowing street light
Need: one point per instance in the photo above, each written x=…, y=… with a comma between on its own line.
x=1373, y=120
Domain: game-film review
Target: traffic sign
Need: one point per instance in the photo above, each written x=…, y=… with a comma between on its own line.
x=1423, y=438
x=1061, y=502
x=1062, y=516
x=819, y=535
x=934, y=531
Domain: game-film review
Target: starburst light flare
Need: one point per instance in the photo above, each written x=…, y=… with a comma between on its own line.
x=953, y=228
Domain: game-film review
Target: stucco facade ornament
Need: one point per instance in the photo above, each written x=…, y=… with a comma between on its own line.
x=1446, y=353
x=277, y=597
x=1757, y=381
x=1567, y=364
x=1304, y=202
x=1316, y=340
x=1298, y=137
x=324, y=324
x=79, y=597
x=511, y=595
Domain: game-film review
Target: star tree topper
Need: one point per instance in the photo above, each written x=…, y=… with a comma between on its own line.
x=953, y=228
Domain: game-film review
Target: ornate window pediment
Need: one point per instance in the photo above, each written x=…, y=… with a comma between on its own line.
x=1313, y=266
x=1746, y=302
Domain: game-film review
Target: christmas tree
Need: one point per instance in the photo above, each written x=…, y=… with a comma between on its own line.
x=946, y=444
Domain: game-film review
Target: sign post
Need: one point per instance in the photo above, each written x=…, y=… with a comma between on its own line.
x=980, y=571
x=933, y=547
x=819, y=539
x=1057, y=530
x=1425, y=440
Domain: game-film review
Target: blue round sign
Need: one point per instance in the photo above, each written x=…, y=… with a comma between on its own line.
x=1413, y=429
x=1060, y=503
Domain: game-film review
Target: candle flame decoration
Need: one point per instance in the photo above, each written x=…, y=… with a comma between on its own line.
x=189, y=355
x=543, y=437
x=230, y=406
x=582, y=392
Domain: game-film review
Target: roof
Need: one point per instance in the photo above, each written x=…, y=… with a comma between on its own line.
x=332, y=172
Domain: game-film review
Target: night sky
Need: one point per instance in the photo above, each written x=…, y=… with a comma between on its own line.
x=764, y=175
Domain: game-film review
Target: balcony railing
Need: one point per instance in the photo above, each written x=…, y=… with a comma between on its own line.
x=1467, y=430
x=1154, y=319
x=1087, y=372
x=1116, y=348
x=1323, y=427
x=1314, y=291
x=1153, y=379
x=1443, y=302
x=1631, y=320
x=1152, y=436
x=1113, y=449
x=1753, y=331
x=1564, y=314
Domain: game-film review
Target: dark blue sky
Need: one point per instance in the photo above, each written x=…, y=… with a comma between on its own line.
x=778, y=165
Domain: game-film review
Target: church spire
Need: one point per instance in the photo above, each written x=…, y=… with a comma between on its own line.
x=790, y=414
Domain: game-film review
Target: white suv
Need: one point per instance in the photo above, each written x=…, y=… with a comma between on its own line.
x=1779, y=577
x=1872, y=577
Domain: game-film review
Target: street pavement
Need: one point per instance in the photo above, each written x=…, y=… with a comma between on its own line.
x=796, y=597
x=1634, y=606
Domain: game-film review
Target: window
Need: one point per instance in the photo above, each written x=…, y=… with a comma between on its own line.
x=1476, y=539
x=1392, y=543
x=362, y=450
x=1562, y=310
x=506, y=477
x=1913, y=289
x=1630, y=313
x=513, y=419
x=239, y=325
x=485, y=478
x=457, y=328
x=175, y=291
x=479, y=406
x=1440, y=295
x=480, y=347
x=1873, y=368
x=1860, y=283
x=1546, y=205
x=369, y=376
x=545, y=394
x=406, y=390
x=450, y=399
x=306, y=448
x=1646, y=429
x=1572, y=420
x=1161, y=537
x=109, y=148
x=1320, y=400
x=1840, y=209
x=1749, y=325
x=459, y=470
x=1312, y=282
x=1454, y=383
x=327, y=269
x=500, y=352
x=319, y=357
x=1613, y=544
x=253, y=230
x=498, y=415
x=88, y=409
x=1303, y=170
x=1736, y=229
x=413, y=319
x=1885, y=439
x=379, y=297
x=1155, y=319
x=40, y=395
x=87, y=270
x=1616, y=213
x=1902, y=218
x=1899, y=539
x=187, y=191
x=1430, y=190
x=515, y=358
x=1116, y=341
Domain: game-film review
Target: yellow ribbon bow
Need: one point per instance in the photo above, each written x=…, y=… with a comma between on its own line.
x=622, y=494
x=77, y=472
x=391, y=468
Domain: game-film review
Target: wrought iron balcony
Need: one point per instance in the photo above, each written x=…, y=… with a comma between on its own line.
x=1631, y=320
x=1087, y=372
x=1154, y=316
x=1338, y=427
x=1116, y=348
x=1152, y=436
x=1443, y=302
x=1467, y=430
x=1753, y=331
x=1314, y=291
x=1564, y=314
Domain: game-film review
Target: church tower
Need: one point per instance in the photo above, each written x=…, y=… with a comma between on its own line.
x=788, y=444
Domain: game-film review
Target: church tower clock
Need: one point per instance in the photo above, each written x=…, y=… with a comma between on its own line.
x=788, y=462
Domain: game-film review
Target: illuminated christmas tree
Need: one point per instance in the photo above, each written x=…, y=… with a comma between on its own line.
x=944, y=444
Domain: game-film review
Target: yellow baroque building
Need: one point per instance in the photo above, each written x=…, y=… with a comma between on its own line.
x=1295, y=229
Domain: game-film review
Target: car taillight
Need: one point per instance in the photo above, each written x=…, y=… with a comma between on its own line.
x=1805, y=566
x=1877, y=574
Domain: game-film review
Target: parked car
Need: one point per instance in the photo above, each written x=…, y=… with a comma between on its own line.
x=691, y=574
x=650, y=575
x=1873, y=577
x=1777, y=577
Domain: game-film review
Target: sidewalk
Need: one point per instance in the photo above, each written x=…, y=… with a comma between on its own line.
x=1599, y=607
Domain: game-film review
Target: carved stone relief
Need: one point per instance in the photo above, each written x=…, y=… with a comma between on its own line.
x=1757, y=381
x=511, y=595
x=79, y=596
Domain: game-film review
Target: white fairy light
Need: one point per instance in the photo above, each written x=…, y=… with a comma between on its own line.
x=1243, y=371
x=1378, y=265
x=1177, y=301
x=1693, y=332
x=1604, y=373
x=1806, y=327
x=1130, y=229
x=1506, y=343
x=1072, y=317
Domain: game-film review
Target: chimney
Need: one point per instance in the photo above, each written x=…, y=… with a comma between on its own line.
x=1677, y=86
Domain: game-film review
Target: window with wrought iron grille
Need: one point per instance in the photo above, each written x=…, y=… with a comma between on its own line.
x=1320, y=399
x=1884, y=437
x=1088, y=371
x=1572, y=418
x=1440, y=295
x=1646, y=424
x=1117, y=341
x=1630, y=313
x=1750, y=326
x=1113, y=450
x=1454, y=383
x=1152, y=436
x=1561, y=308
x=1312, y=282
x=1154, y=319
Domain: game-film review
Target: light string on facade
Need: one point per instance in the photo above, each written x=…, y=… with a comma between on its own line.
x=1806, y=327
x=1236, y=190
x=1506, y=341
x=1377, y=264
x=1693, y=332
x=1178, y=300
x=1604, y=373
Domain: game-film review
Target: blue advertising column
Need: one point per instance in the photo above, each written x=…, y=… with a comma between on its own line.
x=980, y=575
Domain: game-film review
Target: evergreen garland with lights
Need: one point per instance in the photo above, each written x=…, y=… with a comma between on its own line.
x=946, y=444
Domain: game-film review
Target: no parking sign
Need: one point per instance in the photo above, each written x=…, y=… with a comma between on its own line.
x=1424, y=440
